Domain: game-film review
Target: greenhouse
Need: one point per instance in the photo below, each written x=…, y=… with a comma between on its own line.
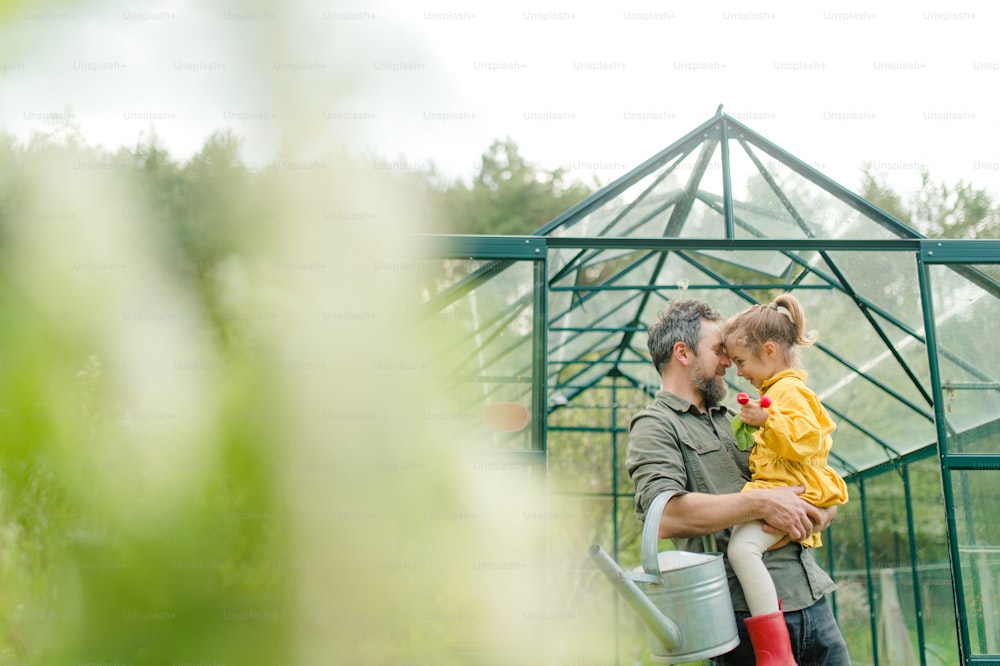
x=548, y=341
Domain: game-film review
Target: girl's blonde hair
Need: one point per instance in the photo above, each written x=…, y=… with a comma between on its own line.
x=762, y=323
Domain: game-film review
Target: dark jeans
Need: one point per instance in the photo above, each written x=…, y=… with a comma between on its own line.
x=816, y=639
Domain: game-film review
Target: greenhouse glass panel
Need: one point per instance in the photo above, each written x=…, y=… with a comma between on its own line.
x=933, y=572
x=598, y=310
x=705, y=166
x=845, y=542
x=576, y=350
x=884, y=281
x=967, y=318
x=621, y=272
x=590, y=613
x=892, y=571
x=480, y=333
x=910, y=347
x=857, y=447
x=821, y=214
x=758, y=209
x=704, y=221
x=579, y=461
x=977, y=504
x=647, y=201
x=602, y=265
x=767, y=265
x=438, y=277
x=584, y=376
x=637, y=367
x=901, y=416
x=649, y=215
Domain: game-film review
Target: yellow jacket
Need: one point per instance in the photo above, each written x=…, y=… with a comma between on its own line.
x=791, y=448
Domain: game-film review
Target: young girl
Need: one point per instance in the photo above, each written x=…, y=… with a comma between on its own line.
x=790, y=449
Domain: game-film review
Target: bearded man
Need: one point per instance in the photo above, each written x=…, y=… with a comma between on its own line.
x=682, y=446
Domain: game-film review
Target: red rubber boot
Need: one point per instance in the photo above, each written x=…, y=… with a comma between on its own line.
x=769, y=636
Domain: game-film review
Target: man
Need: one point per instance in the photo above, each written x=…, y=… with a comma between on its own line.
x=682, y=445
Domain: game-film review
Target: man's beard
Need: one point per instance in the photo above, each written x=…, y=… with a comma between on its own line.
x=712, y=388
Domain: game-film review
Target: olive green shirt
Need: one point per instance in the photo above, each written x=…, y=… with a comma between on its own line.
x=675, y=448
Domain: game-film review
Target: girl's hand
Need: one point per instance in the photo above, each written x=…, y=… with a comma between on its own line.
x=749, y=419
x=753, y=412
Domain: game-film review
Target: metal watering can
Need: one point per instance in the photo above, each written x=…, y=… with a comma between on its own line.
x=681, y=597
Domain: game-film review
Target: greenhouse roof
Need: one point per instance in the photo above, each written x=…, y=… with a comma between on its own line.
x=726, y=216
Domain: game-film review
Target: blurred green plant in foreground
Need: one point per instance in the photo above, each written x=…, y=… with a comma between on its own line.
x=141, y=516
x=214, y=447
x=214, y=434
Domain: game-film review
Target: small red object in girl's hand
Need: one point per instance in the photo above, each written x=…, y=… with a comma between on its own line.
x=744, y=431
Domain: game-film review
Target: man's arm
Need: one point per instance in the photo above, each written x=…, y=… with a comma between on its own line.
x=696, y=514
x=822, y=518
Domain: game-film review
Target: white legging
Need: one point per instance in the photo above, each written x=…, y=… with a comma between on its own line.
x=746, y=553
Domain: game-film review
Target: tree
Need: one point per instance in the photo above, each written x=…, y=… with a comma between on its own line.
x=217, y=204
x=509, y=195
x=936, y=209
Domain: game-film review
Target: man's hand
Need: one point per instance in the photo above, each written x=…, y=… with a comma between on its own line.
x=817, y=520
x=785, y=512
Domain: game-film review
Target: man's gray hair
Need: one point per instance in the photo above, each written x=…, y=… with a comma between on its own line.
x=680, y=322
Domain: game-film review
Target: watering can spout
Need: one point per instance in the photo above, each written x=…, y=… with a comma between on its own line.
x=659, y=624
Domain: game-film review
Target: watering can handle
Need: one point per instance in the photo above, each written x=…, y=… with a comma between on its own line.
x=651, y=534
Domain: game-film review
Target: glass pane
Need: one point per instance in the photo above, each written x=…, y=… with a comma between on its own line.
x=977, y=504
x=704, y=221
x=846, y=542
x=648, y=199
x=647, y=207
x=888, y=280
x=820, y=214
x=439, y=276
x=766, y=265
x=966, y=319
x=888, y=534
x=888, y=586
x=480, y=333
x=758, y=211
x=639, y=368
x=579, y=461
x=582, y=437
x=934, y=569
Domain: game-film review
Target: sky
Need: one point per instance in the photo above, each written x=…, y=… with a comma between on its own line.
x=595, y=88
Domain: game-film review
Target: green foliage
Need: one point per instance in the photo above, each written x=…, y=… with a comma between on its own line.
x=743, y=432
x=141, y=520
x=958, y=211
x=194, y=467
x=508, y=196
x=937, y=209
